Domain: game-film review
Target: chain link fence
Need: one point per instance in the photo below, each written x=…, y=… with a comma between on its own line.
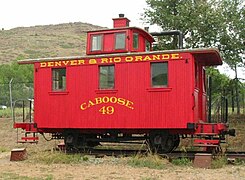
x=13, y=91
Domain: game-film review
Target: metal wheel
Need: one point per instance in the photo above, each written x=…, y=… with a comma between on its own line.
x=164, y=142
x=71, y=141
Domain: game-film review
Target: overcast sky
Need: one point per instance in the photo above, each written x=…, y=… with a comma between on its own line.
x=24, y=13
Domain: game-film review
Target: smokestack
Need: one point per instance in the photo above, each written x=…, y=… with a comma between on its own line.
x=121, y=21
x=121, y=15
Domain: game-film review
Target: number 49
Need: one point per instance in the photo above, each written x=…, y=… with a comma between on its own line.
x=107, y=110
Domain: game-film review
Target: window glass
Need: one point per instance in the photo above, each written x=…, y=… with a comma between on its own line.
x=135, y=40
x=147, y=46
x=159, y=74
x=120, y=42
x=106, y=77
x=59, y=79
x=96, y=42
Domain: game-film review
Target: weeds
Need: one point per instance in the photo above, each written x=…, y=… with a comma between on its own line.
x=182, y=162
x=3, y=149
x=219, y=162
x=58, y=158
x=150, y=161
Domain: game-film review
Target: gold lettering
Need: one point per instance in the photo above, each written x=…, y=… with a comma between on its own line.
x=147, y=58
x=80, y=62
x=50, y=64
x=65, y=62
x=43, y=64
x=73, y=62
x=165, y=56
x=156, y=57
x=111, y=61
x=129, y=59
x=92, y=61
x=104, y=60
x=117, y=59
x=83, y=106
x=138, y=58
x=90, y=103
x=175, y=56
x=57, y=63
x=98, y=100
x=129, y=104
x=121, y=101
x=105, y=99
x=113, y=99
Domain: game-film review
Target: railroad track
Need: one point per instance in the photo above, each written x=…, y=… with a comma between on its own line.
x=172, y=155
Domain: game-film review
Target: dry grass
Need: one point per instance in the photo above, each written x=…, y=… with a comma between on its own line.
x=44, y=41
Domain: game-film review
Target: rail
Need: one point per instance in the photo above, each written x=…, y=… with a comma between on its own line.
x=22, y=110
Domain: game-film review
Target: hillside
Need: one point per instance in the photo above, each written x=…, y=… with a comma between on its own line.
x=67, y=39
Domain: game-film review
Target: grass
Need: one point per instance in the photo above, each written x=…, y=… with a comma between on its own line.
x=7, y=113
x=182, y=162
x=56, y=157
x=3, y=149
x=150, y=161
x=11, y=176
x=219, y=162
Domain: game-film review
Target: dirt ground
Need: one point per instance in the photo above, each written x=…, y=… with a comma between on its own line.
x=96, y=168
x=111, y=168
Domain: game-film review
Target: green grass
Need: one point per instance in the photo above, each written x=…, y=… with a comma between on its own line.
x=150, y=161
x=57, y=158
x=3, y=149
x=7, y=113
x=219, y=162
x=10, y=176
x=182, y=162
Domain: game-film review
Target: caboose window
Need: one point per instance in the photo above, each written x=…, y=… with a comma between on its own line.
x=159, y=74
x=96, y=43
x=135, y=40
x=58, y=79
x=147, y=46
x=107, y=78
x=120, y=41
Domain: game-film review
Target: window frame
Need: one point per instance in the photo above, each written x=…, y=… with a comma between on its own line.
x=163, y=85
x=112, y=87
x=58, y=84
x=147, y=46
x=97, y=43
x=115, y=39
x=135, y=34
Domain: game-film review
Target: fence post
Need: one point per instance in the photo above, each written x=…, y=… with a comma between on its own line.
x=10, y=98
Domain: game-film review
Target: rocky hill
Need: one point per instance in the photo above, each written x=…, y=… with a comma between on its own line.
x=44, y=41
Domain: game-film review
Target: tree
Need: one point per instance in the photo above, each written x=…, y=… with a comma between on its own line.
x=22, y=86
x=205, y=23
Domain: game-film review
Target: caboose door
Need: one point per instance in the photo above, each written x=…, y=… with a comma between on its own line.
x=200, y=95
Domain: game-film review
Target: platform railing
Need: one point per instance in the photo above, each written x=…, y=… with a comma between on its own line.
x=22, y=110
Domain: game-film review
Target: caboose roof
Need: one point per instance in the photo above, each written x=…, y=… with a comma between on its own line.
x=204, y=56
x=146, y=34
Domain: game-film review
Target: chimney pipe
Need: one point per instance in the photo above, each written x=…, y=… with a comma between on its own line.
x=121, y=15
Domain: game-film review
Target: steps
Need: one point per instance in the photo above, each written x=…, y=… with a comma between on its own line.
x=28, y=137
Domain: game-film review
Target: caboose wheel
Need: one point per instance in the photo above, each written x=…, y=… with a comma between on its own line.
x=71, y=139
x=163, y=142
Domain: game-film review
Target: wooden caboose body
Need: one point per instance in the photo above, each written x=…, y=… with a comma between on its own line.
x=121, y=88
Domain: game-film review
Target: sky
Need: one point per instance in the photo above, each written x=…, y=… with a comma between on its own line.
x=25, y=13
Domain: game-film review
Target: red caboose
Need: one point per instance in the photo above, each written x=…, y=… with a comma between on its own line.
x=122, y=91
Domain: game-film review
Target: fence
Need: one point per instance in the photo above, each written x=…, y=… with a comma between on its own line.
x=15, y=91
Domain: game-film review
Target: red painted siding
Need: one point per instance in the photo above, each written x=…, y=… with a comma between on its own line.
x=136, y=104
